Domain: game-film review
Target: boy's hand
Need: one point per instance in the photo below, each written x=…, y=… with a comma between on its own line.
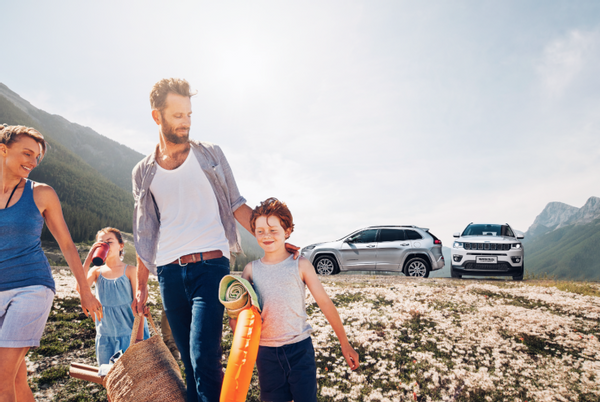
x=290, y=248
x=351, y=357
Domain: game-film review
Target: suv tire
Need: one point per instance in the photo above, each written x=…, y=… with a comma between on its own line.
x=455, y=274
x=417, y=267
x=519, y=277
x=326, y=265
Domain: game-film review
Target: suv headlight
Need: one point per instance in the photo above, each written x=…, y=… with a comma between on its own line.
x=309, y=247
x=516, y=246
x=457, y=244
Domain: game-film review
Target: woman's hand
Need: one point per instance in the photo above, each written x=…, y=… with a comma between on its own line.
x=90, y=305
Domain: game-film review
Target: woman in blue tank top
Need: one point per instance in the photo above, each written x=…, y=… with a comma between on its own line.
x=26, y=284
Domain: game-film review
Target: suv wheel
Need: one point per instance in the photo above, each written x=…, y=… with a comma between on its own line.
x=454, y=274
x=519, y=277
x=326, y=265
x=417, y=267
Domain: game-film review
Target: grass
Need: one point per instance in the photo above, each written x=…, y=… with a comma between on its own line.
x=424, y=340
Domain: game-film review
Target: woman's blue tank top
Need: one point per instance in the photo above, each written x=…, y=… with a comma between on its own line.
x=22, y=261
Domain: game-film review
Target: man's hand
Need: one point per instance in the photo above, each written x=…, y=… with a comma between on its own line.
x=139, y=303
x=141, y=283
x=290, y=248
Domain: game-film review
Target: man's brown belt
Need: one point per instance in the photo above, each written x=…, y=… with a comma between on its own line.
x=196, y=257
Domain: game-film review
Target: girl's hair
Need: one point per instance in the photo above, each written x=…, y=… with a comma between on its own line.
x=117, y=234
x=10, y=134
x=273, y=207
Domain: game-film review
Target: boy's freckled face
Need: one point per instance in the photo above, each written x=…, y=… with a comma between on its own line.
x=269, y=233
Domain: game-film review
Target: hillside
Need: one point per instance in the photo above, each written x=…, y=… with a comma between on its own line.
x=564, y=241
x=112, y=160
x=89, y=200
x=418, y=339
x=571, y=252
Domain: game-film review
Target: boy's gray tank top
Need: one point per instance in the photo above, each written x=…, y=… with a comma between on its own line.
x=282, y=296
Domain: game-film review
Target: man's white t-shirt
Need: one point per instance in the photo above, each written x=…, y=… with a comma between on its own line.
x=189, y=213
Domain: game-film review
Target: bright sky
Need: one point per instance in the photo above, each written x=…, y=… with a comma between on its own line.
x=355, y=113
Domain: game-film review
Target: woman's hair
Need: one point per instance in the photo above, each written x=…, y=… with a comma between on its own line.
x=160, y=90
x=273, y=207
x=117, y=234
x=10, y=134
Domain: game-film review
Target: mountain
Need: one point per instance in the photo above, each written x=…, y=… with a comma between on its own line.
x=571, y=252
x=564, y=241
x=557, y=215
x=112, y=160
x=94, y=187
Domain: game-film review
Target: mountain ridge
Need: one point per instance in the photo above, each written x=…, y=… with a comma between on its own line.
x=106, y=156
x=557, y=215
x=89, y=199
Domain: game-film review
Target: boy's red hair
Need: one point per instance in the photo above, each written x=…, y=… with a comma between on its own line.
x=273, y=207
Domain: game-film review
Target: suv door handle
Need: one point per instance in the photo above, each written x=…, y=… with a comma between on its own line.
x=371, y=246
x=405, y=244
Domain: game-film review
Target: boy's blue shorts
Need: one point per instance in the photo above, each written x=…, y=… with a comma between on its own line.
x=288, y=372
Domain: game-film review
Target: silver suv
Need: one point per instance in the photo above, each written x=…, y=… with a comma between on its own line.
x=487, y=250
x=408, y=249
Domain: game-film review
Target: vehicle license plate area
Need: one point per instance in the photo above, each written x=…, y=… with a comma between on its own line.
x=486, y=259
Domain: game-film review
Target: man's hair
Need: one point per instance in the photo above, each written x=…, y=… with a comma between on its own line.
x=160, y=90
x=10, y=134
x=117, y=234
x=273, y=207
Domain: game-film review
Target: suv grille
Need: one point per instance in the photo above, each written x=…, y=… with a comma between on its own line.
x=501, y=266
x=486, y=246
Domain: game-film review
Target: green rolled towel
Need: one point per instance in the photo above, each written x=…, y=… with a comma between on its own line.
x=237, y=294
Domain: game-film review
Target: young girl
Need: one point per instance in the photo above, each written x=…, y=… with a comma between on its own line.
x=286, y=359
x=116, y=283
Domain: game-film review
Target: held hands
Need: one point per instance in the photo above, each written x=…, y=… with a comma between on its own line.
x=139, y=303
x=90, y=305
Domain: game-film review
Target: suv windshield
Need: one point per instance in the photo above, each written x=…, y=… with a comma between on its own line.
x=488, y=230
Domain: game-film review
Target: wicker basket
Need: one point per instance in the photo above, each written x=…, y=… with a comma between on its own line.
x=146, y=372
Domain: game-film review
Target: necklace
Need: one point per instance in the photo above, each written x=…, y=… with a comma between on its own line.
x=11, y=194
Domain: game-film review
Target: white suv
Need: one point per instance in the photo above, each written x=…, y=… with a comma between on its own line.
x=487, y=250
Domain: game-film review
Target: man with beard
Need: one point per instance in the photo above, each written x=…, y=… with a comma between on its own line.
x=186, y=205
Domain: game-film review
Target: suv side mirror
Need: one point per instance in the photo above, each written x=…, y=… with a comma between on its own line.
x=520, y=236
x=456, y=234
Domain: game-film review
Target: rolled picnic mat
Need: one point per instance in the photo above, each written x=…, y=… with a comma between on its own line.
x=237, y=294
x=85, y=372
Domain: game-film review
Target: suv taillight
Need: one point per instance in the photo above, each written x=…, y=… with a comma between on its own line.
x=436, y=241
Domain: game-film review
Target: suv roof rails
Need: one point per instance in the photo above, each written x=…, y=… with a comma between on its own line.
x=393, y=226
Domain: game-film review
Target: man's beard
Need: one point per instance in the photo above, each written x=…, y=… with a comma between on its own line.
x=171, y=135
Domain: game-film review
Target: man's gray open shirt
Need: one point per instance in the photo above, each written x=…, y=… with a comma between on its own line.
x=146, y=216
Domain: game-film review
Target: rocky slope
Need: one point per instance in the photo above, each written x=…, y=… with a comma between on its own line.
x=557, y=215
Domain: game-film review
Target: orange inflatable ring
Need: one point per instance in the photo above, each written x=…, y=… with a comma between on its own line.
x=242, y=356
x=238, y=296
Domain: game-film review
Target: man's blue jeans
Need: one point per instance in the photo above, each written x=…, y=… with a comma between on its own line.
x=190, y=297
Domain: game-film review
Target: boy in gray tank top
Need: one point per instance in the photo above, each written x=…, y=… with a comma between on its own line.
x=286, y=359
